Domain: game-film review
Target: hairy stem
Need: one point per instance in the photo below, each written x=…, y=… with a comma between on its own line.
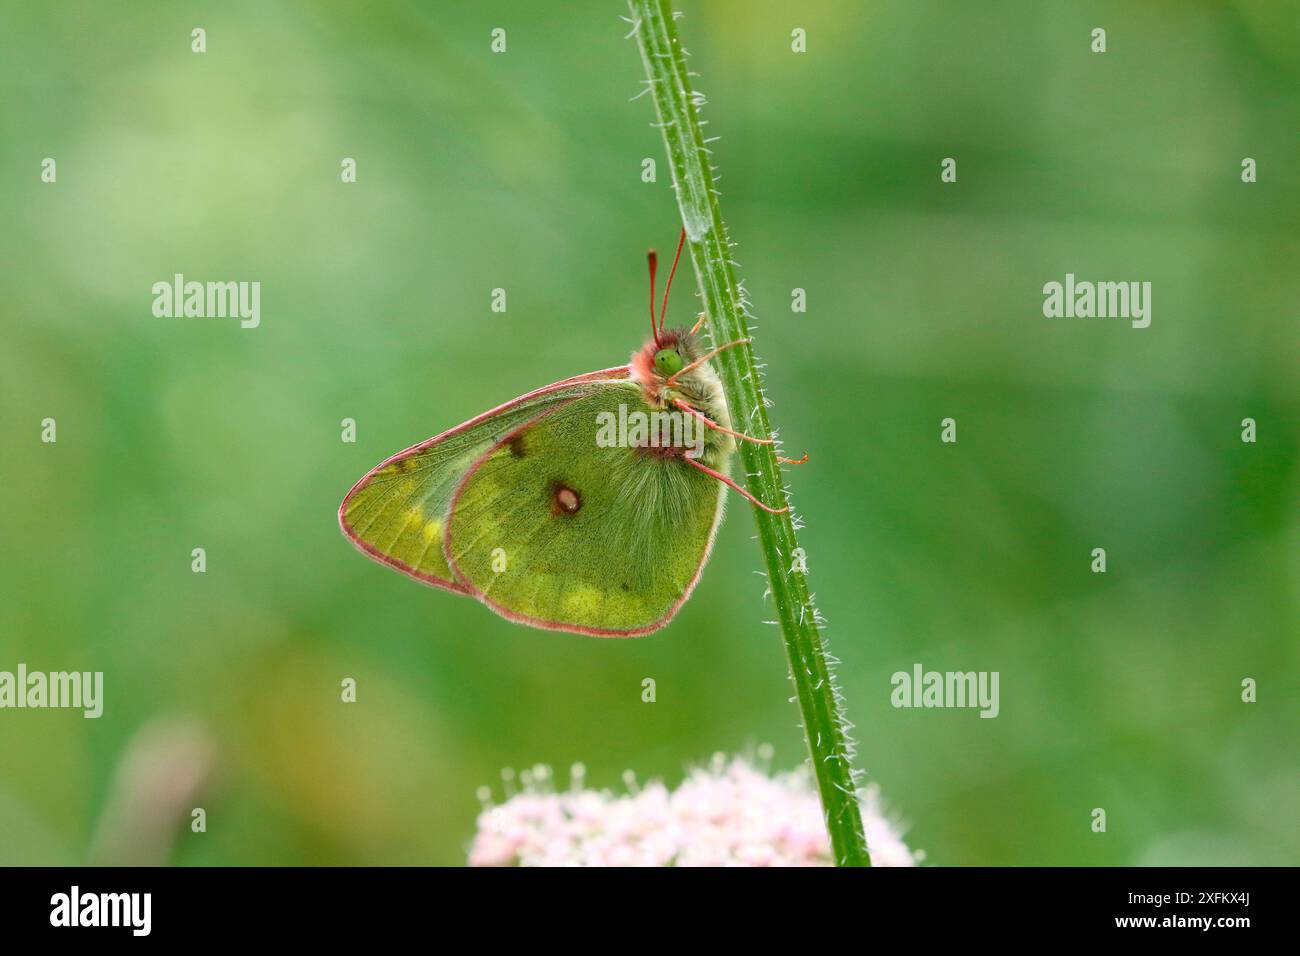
x=824, y=724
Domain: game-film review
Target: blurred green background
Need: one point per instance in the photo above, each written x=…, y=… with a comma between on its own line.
x=522, y=170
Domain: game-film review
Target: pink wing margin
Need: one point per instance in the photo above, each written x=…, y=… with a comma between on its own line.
x=618, y=372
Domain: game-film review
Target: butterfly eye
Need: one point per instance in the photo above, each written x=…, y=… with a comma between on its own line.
x=668, y=361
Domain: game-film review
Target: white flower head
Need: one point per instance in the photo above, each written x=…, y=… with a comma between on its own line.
x=729, y=814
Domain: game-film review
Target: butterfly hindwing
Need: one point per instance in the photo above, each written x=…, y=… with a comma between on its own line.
x=549, y=528
x=397, y=513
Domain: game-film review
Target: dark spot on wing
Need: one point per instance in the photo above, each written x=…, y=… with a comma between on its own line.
x=564, y=500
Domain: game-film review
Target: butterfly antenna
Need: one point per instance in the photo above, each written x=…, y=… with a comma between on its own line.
x=653, y=259
x=663, y=309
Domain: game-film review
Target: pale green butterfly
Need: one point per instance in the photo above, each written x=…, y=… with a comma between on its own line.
x=551, y=511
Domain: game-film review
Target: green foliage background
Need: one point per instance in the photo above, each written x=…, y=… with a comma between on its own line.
x=522, y=171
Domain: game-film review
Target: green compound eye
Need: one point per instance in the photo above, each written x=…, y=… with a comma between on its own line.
x=668, y=361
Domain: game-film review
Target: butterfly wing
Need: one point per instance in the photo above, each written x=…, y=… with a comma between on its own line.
x=548, y=528
x=397, y=512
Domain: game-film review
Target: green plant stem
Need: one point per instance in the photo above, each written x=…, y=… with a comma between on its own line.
x=819, y=700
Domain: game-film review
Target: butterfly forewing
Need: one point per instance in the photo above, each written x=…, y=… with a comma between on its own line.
x=398, y=512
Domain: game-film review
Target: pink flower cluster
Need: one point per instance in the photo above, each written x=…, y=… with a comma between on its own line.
x=729, y=814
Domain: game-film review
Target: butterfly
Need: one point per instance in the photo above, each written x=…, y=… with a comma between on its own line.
x=552, y=509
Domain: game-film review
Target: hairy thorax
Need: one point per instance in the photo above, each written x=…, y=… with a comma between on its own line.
x=699, y=387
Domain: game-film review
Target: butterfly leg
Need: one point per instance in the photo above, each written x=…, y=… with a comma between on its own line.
x=727, y=431
x=735, y=487
x=716, y=427
x=672, y=379
x=699, y=322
